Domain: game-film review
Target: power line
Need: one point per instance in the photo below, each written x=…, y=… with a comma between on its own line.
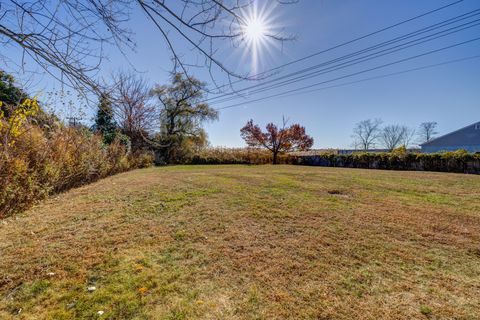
x=400, y=38
x=355, y=61
x=433, y=27
x=345, y=43
x=353, y=74
x=384, y=76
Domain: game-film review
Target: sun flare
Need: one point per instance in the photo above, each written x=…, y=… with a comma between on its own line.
x=258, y=28
x=255, y=29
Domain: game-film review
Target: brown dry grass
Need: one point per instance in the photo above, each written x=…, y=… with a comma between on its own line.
x=248, y=242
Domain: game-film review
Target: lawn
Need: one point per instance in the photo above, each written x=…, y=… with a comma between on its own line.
x=248, y=242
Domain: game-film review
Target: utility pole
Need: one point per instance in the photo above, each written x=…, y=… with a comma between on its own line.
x=74, y=121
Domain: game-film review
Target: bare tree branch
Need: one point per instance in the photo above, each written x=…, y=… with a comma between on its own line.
x=366, y=133
x=427, y=131
x=393, y=136
x=68, y=39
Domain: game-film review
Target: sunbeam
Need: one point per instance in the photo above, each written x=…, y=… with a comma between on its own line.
x=258, y=29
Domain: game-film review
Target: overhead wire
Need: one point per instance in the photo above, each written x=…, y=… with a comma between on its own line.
x=256, y=76
x=430, y=66
x=355, y=73
x=356, y=61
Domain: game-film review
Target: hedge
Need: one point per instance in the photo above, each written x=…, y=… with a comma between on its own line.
x=457, y=161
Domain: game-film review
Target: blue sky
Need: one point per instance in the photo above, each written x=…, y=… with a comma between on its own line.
x=447, y=94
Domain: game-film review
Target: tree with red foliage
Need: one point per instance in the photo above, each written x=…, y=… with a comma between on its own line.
x=277, y=140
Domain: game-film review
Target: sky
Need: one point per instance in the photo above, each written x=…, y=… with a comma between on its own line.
x=448, y=94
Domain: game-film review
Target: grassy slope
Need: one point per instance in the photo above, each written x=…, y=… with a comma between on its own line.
x=238, y=242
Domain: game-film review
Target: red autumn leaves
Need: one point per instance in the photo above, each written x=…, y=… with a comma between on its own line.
x=277, y=140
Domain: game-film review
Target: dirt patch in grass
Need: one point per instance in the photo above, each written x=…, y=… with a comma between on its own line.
x=248, y=242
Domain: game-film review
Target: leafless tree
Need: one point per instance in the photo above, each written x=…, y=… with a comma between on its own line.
x=134, y=112
x=393, y=136
x=427, y=131
x=68, y=39
x=366, y=133
x=409, y=137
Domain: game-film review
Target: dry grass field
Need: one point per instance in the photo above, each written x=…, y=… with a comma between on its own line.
x=248, y=242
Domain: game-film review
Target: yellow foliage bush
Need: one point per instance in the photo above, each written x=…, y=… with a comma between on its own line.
x=13, y=126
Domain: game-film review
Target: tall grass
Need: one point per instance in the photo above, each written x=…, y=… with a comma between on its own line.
x=236, y=156
x=41, y=163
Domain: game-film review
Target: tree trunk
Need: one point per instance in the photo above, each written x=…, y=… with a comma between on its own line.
x=275, y=157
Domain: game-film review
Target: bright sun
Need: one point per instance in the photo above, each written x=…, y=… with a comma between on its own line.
x=255, y=29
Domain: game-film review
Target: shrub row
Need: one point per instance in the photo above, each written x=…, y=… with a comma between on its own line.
x=237, y=156
x=40, y=163
x=399, y=159
x=457, y=161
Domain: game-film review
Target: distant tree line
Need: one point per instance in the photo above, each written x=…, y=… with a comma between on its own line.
x=371, y=133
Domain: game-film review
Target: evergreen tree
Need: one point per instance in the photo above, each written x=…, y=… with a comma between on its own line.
x=10, y=93
x=104, y=121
